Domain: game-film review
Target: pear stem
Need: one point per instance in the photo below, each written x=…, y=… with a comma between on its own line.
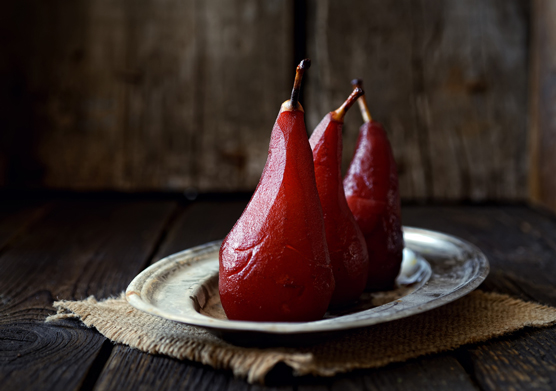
x=338, y=115
x=300, y=70
x=365, y=113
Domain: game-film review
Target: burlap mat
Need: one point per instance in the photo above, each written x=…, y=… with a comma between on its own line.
x=474, y=318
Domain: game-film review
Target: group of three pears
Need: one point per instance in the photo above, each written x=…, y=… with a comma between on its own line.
x=308, y=240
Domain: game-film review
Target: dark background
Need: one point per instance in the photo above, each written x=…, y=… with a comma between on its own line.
x=181, y=95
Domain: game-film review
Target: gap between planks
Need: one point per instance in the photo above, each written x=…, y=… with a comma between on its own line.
x=99, y=363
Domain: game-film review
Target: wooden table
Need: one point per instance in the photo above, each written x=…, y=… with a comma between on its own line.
x=62, y=247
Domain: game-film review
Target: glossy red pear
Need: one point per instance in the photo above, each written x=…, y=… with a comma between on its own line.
x=274, y=263
x=371, y=188
x=346, y=244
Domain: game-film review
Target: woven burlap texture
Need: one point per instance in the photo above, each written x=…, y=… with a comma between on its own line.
x=474, y=318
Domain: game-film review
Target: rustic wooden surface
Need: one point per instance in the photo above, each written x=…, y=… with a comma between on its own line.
x=542, y=99
x=179, y=95
x=75, y=250
x=149, y=95
x=447, y=78
x=60, y=248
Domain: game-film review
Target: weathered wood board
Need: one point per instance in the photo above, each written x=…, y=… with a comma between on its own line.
x=543, y=104
x=60, y=249
x=74, y=250
x=447, y=78
x=171, y=95
x=146, y=95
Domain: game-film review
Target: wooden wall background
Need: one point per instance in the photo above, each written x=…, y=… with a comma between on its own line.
x=448, y=79
x=542, y=179
x=182, y=94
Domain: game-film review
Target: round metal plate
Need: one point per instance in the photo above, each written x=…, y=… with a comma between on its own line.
x=437, y=269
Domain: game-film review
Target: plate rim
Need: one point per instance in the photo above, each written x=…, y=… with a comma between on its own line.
x=133, y=295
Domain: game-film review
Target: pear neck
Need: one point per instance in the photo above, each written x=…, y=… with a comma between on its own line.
x=288, y=106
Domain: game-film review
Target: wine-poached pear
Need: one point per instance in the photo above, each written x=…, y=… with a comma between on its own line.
x=346, y=244
x=371, y=188
x=274, y=263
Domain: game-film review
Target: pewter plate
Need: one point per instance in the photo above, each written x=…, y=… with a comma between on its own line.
x=437, y=269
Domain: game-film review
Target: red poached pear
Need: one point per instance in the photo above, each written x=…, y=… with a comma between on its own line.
x=274, y=263
x=371, y=188
x=346, y=244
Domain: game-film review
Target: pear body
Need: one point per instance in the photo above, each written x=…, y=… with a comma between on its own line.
x=371, y=188
x=346, y=244
x=274, y=263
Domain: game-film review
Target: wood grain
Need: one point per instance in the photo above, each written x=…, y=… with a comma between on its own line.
x=202, y=222
x=149, y=95
x=542, y=99
x=448, y=79
x=524, y=361
x=17, y=216
x=520, y=245
x=131, y=369
x=441, y=372
x=183, y=94
x=79, y=248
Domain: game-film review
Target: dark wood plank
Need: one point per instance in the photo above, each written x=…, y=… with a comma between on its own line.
x=441, y=372
x=447, y=78
x=198, y=224
x=204, y=108
x=131, y=369
x=541, y=103
x=17, y=216
x=525, y=361
x=519, y=243
x=534, y=273
x=146, y=95
x=201, y=223
x=79, y=248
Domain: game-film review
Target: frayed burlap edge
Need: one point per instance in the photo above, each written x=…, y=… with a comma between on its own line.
x=474, y=318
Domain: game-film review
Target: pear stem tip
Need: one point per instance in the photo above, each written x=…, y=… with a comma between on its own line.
x=300, y=70
x=357, y=83
x=338, y=115
x=305, y=63
x=365, y=113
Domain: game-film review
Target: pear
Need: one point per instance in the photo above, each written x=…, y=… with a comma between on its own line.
x=371, y=188
x=346, y=244
x=274, y=263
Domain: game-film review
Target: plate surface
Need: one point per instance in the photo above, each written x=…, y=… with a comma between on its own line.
x=437, y=269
